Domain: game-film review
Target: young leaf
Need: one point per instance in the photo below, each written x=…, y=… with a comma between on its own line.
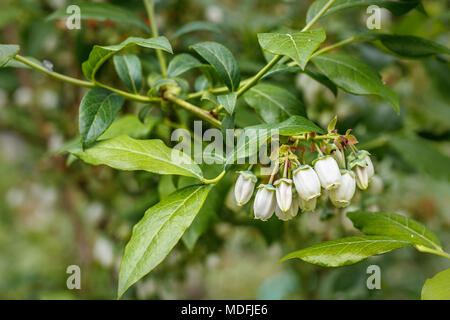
x=396, y=7
x=419, y=154
x=100, y=54
x=228, y=101
x=182, y=63
x=346, y=251
x=125, y=153
x=354, y=77
x=158, y=232
x=298, y=46
x=273, y=103
x=7, y=52
x=438, y=287
x=98, y=109
x=222, y=60
x=394, y=226
x=195, y=26
x=102, y=12
x=129, y=69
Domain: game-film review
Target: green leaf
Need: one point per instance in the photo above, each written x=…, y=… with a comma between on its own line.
x=438, y=287
x=7, y=52
x=346, y=251
x=228, y=101
x=129, y=125
x=129, y=69
x=125, y=153
x=273, y=103
x=299, y=46
x=253, y=137
x=182, y=63
x=195, y=26
x=396, y=7
x=222, y=60
x=419, y=154
x=394, y=226
x=155, y=235
x=100, y=54
x=410, y=46
x=210, y=97
x=354, y=77
x=102, y=12
x=98, y=108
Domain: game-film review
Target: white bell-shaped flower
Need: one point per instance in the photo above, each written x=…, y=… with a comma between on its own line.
x=342, y=196
x=306, y=182
x=365, y=155
x=244, y=187
x=284, y=193
x=328, y=172
x=338, y=155
x=360, y=169
x=265, y=202
x=307, y=205
x=291, y=213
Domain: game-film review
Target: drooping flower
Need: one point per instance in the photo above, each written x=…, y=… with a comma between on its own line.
x=309, y=205
x=328, y=172
x=291, y=213
x=265, y=202
x=284, y=193
x=365, y=155
x=360, y=169
x=342, y=196
x=306, y=182
x=338, y=155
x=244, y=187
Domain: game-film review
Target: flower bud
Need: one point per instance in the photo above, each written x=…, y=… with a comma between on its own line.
x=342, y=196
x=328, y=172
x=360, y=168
x=244, y=187
x=338, y=155
x=365, y=155
x=306, y=182
x=265, y=202
x=291, y=213
x=284, y=193
x=307, y=205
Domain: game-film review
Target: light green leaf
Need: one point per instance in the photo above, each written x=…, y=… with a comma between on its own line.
x=346, y=251
x=158, y=232
x=98, y=108
x=182, y=63
x=7, y=52
x=396, y=7
x=421, y=155
x=228, y=101
x=273, y=103
x=125, y=153
x=253, y=137
x=129, y=125
x=354, y=77
x=210, y=97
x=438, y=287
x=222, y=60
x=129, y=69
x=100, y=54
x=102, y=12
x=195, y=26
x=298, y=46
x=394, y=226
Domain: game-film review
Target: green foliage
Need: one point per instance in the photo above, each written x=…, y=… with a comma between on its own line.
x=181, y=63
x=438, y=287
x=129, y=69
x=228, y=101
x=7, y=51
x=195, y=26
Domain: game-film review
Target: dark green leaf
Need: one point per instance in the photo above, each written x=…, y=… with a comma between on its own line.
x=7, y=52
x=182, y=63
x=228, y=101
x=298, y=46
x=195, y=26
x=129, y=69
x=354, y=77
x=102, y=12
x=438, y=287
x=98, y=109
x=158, y=232
x=345, y=251
x=273, y=103
x=222, y=60
x=100, y=54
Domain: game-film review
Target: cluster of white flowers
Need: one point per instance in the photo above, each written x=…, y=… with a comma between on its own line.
x=327, y=172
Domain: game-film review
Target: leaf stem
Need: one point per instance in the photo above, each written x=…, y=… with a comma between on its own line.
x=319, y=14
x=215, y=180
x=433, y=251
x=337, y=45
x=202, y=114
x=150, y=7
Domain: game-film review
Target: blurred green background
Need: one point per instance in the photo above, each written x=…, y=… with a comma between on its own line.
x=53, y=214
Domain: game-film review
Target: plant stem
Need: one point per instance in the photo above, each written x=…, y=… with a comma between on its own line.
x=336, y=45
x=319, y=14
x=433, y=251
x=150, y=7
x=202, y=114
x=215, y=180
x=131, y=96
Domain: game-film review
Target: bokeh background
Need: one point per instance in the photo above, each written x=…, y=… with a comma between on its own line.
x=56, y=211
